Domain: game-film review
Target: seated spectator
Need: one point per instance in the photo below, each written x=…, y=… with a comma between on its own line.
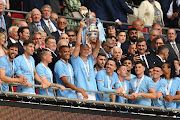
x=142, y=85
x=140, y=34
x=43, y=38
x=83, y=64
x=46, y=74
x=64, y=36
x=121, y=38
x=131, y=51
x=158, y=41
x=100, y=62
x=16, y=22
x=7, y=68
x=150, y=12
x=107, y=79
x=22, y=24
x=172, y=89
x=36, y=24
x=116, y=52
x=160, y=85
x=132, y=38
x=3, y=48
x=26, y=66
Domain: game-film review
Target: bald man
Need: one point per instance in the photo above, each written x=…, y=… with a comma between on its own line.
x=138, y=24
x=36, y=25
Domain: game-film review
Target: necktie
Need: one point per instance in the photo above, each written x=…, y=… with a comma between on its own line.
x=176, y=50
x=2, y=23
x=143, y=59
x=50, y=27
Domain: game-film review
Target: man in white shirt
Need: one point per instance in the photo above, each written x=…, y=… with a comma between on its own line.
x=13, y=35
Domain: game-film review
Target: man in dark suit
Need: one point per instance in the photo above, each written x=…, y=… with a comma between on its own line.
x=13, y=35
x=162, y=56
x=5, y=21
x=36, y=25
x=23, y=33
x=174, y=48
x=132, y=38
x=121, y=11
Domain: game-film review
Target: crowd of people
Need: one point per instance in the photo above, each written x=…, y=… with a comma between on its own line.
x=42, y=51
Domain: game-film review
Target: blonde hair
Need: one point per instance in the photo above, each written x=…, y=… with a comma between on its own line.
x=4, y=47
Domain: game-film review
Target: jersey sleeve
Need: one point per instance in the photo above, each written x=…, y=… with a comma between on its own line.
x=40, y=70
x=59, y=70
x=2, y=63
x=17, y=63
x=150, y=83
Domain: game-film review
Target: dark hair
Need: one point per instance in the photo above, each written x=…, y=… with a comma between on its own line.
x=156, y=66
x=140, y=62
x=49, y=37
x=120, y=31
x=120, y=66
x=63, y=46
x=27, y=42
x=161, y=49
x=173, y=73
x=115, y=60
x=13, y=45
x=141, y=40
x=21, y=30
x=131, y=29
x=127, y=58
x=2, y=29
x=101, y=54
x=159, y=37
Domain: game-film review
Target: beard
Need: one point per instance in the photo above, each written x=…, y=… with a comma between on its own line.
x=132, y=39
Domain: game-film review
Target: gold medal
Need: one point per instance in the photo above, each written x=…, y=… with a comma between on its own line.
x=88, y=79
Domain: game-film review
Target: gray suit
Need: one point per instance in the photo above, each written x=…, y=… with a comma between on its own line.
x=33, y=29
x=172, y=54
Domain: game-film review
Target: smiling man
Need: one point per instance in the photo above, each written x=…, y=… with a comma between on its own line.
x=7, y=68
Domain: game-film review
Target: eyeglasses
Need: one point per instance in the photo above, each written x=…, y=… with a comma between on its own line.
x=109, y=47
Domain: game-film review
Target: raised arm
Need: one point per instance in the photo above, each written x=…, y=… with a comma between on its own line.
x=96, y=49
x=78, y=41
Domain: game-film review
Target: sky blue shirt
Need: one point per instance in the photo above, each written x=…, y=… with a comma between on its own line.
x=60, y=70
x=174, y=88
x=160, y=87
x=102, y=83
x=39, y=26
x=146, y=84
x=42, y=71
x=3, y=22
x=81, y=78
x=22, y=68
x=120, y=99
x=8, y=66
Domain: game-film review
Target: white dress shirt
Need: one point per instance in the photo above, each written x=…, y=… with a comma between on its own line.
x=54, y=29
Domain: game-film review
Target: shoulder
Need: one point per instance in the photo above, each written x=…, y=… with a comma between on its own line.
x=7, y=17
x=18, y=57
x=147, y=78
x=3, y=57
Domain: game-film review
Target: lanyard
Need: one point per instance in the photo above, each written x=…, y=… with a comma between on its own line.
x=49, y=71
x=137, y=85
x=109, y=82
x=86, y=66
x=69, y=68
x=30, y=66
x=11, y=67
x=168, y=87
x=125, y=85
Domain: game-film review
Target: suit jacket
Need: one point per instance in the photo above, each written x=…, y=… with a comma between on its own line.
x=21, y=49
x=125, y=47
x=157, y=61
x=172, y=54
x=9, y=42
x=104, y=9
x=42, y=21
x=121, y=11
x=8, y=22
x=33, y=29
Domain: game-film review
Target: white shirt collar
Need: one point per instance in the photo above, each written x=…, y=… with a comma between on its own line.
x=21, y=42
x=60, y=32
x=12, y=40
x=161, y=59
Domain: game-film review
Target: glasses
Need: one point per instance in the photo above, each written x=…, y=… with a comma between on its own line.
x=109, y=47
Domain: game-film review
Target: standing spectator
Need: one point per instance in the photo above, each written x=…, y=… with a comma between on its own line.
x=138, y=24
x=5, y=21
x=121, y=38
x=72, y=36
x=13, y=35
x=174, y=48
x=28, y=17
x=36, y=25
x=150, y=12
x=116, y=52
